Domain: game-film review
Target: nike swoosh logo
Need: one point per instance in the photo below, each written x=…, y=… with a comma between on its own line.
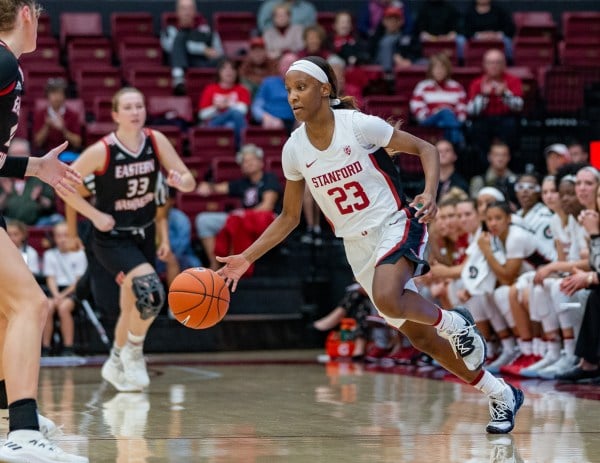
x=308, y=164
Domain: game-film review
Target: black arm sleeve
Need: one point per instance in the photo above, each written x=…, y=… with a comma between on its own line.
x=14, y=167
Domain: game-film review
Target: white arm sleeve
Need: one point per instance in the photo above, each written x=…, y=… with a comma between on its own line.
x=371, y=131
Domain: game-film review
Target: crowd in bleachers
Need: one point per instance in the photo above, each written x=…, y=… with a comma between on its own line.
x=214, y=84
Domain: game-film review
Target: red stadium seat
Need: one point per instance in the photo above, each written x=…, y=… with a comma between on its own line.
x=36, y=78
x=407, y=78
x=534, y=52
x=392, y=107
x=173, y=134
x=580, y=24
x=466, y=75
x=94, y=131
x=79, y=25
x=448, y=47
x=234, y=25
x=25, y=121
x=208, y=142
x=140, y=51
x=123, y=25
x=274, y=166
x=225, y=169
x=325, y=19
x=564, y=88
x=235, y=49
x=97, y=81
x=534, y=24
x=475, y=49
x=580, y=53
x=102, y=108
x=270, y=140
x=199, y=167
x=192, y=203
x=150, y=80
x=47, y=52
x=44, y=26
x=196, y=80
x=529, y=85
x=170, y=107
x=88, y=53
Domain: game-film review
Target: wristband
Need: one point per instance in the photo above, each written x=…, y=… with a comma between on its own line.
x=14, y=167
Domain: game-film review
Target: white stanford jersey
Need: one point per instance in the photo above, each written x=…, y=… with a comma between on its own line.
x=354, y=181
x=538, y=221
x=521, y=243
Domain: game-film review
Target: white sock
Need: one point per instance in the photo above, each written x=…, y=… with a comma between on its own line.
x=569, y=346
x=526, y=347
x=446, y=320
x=135, y=340
x=554, y=349
x=489, y=384
x=539, y=347
x=508, y=344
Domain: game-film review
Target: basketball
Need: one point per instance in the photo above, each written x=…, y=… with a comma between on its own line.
x=198, y=298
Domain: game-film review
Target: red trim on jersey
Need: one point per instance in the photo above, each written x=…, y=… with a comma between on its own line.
x=478, y=378
x=398, y=245
x=388, y=180
x=106, y=159
x=7, y=90
x=150, y=134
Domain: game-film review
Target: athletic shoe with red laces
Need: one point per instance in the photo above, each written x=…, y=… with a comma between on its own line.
x=405, y=356
x=522, y=361
x=375, y=353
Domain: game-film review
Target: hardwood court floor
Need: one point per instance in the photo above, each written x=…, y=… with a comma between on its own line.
x=257, y=407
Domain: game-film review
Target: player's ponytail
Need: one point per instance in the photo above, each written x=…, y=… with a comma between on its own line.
x=335, y=101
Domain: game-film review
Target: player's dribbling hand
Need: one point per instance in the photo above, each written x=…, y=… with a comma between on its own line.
x=235, y=266
x=427, y=209
x=104, y=222
x=164, y=251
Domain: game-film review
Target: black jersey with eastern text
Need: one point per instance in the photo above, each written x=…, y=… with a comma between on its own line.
x=11, y=89
x=125, y=188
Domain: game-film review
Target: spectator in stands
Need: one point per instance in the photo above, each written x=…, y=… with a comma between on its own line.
x=487, y=20
x=578, y=152
x=345, y=43
x=17, y=232
x=449, y=178
x=440, y=101
x=498, y=175
x=344, y=87
x=390, y=47
x=259, y=191
x=370, y=17
x=437, y=20
x=256, y=65
x=495, y=98
x=190, y=44
x=589, y=337
x=557, y=155
x=283, y=36
x=315, y=42
x=56, y=122
x=302, y=13
x=226, y=102
x=62, y=268
x=270, y=107
x=29, y=200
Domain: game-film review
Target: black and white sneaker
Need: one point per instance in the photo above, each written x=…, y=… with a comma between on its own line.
x=504, y=449
x=465, y=339
x=31, y=446
x=503, y=409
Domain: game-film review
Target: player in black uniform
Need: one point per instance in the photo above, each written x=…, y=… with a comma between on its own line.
x=23, y=305
x=126, y=164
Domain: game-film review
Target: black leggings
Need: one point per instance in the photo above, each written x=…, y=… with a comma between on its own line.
x=588, y=341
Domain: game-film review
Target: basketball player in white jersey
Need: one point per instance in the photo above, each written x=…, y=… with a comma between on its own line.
x=339, y=153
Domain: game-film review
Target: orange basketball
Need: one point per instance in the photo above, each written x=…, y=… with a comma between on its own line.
x=199, y=298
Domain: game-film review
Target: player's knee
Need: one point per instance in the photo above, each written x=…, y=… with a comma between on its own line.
x=65, y=308
x=389, y=302
x=149, y=295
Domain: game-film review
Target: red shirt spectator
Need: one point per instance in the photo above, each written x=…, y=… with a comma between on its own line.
x=431, y=96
